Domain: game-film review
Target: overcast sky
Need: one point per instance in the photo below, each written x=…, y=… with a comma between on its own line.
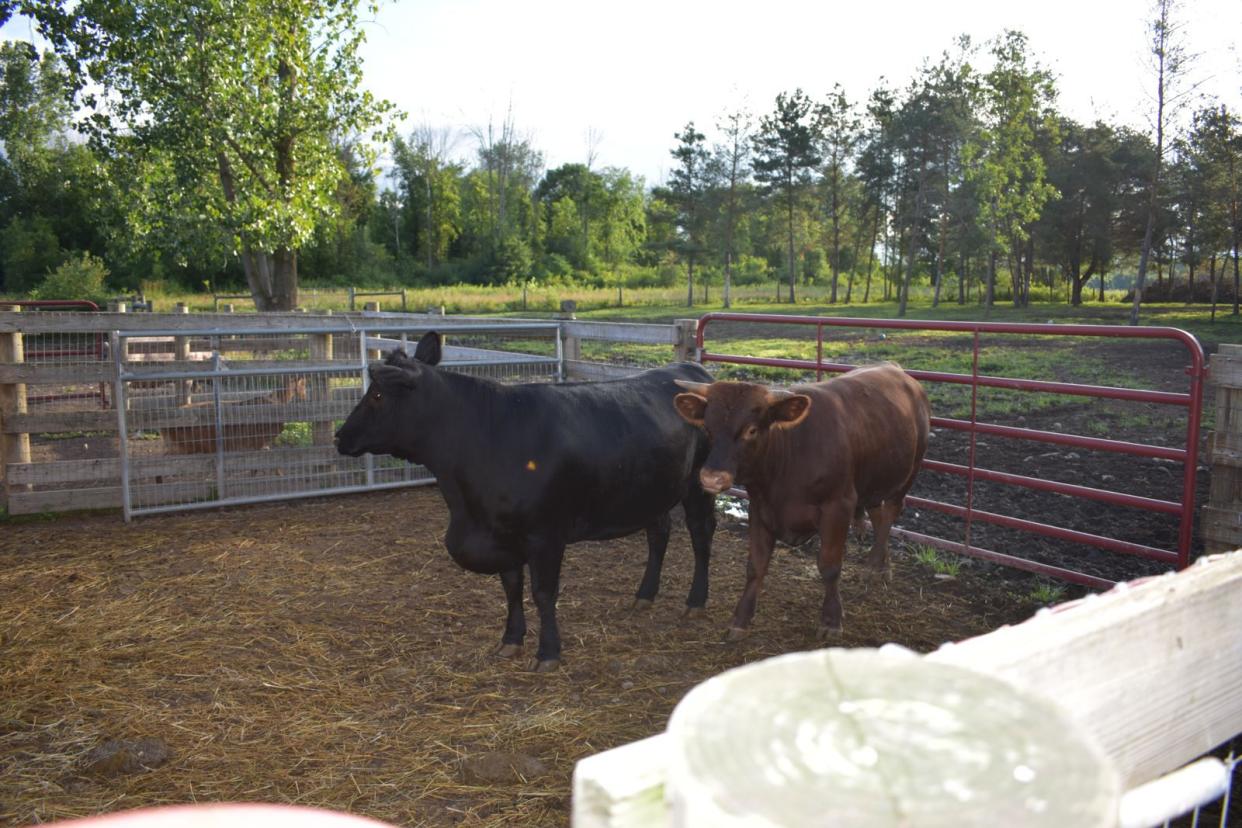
x=636, y=72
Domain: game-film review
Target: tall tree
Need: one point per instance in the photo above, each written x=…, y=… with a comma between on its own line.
x=427, y=178
x=1170, y=61
x=247, y=94
x=687, y=186
x=839, y=136
x=785, y=155
x=730, y=171
x=1004, y=161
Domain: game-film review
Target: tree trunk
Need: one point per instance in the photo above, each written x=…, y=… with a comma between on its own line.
x=690, y=281
x=962, y=281
x=939, y=260
x=1215, y=283
x=790, y=258
x=875, y=234
x=728, y=278
x=989, y=295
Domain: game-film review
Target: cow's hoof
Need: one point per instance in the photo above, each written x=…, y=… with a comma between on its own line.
x=694, y=613
x=508, y=650
x=642, y=604
x=736, y=634
x=878, y=574
x=826, y=632
x=547, y=665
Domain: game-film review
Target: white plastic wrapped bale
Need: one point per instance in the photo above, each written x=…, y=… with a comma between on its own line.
x=623, y=787
x=863, y=738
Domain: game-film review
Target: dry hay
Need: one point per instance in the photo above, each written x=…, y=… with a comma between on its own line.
x=329, y=653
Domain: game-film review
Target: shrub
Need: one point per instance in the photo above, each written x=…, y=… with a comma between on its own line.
x=80, y=277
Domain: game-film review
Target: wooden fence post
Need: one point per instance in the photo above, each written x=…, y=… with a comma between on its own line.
x=1221, y=524
x=571, y=346
x=320, y=390
x=14, y=448
x=351, y=298
x=685, y=350
x=181, y=353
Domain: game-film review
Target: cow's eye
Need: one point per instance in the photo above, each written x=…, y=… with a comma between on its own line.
x=750, y=432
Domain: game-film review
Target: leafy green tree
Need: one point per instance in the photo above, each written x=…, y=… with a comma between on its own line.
x=785, y=155
x=429, y=218
x=687, y=190
x=1004, y=161
x=1215, y=149
x=243, y=97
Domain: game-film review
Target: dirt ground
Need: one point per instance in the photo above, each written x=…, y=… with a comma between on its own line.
x=329, y=653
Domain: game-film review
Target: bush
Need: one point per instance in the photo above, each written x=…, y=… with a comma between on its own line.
x=31, y=249
x=81, y=277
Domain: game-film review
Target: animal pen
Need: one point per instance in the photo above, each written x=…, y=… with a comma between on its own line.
x=166, y=412
x=207, y=410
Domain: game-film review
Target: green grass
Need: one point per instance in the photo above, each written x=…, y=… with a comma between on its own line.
x=1046, y=593
x=940, y=563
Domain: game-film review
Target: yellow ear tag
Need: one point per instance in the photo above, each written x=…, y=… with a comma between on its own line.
x=530, y=465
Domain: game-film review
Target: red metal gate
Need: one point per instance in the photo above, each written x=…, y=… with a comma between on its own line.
x=1191, y=400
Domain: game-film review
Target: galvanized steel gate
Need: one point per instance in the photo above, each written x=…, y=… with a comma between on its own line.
x=225, y=417
x=1180, y=508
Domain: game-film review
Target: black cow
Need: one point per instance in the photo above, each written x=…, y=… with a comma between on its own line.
x=526, y=469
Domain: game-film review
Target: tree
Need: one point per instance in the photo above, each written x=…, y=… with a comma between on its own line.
x=52, y=190
x=240, y=102
x=730, y=171
x=1215, y=147
x=1169, y=63
x=785, y=155
x=429, y=183
x=838, y=138
x=687, y=187
x=1004, y=160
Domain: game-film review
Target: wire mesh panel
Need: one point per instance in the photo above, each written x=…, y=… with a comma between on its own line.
x=248, y=416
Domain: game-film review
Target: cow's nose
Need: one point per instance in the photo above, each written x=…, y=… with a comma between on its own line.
x=715, y=481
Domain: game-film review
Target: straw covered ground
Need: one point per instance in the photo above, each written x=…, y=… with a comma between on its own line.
x=329, y=653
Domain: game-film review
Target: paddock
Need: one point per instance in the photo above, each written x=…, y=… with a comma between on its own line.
x=329, y=653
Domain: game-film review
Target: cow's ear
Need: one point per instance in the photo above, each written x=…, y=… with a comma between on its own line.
x=430, y=348
x=393, y=375
x=691, y=407
x=786, y=410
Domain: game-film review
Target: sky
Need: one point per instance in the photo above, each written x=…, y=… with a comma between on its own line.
x=636, y=72
x=633, y=73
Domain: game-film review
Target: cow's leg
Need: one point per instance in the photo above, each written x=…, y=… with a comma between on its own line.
x=515, y=624
x=834, y=527
x=545, y=583
x=701, y=522
x=657, y=542
x=882, y=519
x=761, y=542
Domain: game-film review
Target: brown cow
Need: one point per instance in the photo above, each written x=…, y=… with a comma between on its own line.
x=813, y=460
x=238, y=436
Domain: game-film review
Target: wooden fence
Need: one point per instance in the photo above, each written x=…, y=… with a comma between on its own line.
x=1221, y=525
x=1147, y=674
x=58, y=382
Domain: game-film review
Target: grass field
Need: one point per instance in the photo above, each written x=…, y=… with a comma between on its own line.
x=667, y=304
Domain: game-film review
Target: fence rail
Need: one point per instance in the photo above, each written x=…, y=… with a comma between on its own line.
x=175, y=370
x=968, y=512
